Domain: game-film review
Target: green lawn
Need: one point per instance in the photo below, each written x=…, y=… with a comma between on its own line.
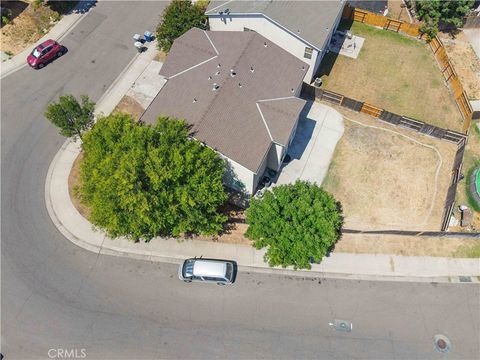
x=394, y=72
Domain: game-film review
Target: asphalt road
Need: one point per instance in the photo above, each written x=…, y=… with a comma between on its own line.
x=57, y=296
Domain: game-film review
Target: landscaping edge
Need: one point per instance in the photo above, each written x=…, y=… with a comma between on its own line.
x=339, y=265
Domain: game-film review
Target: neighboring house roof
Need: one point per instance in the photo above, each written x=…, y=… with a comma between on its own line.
x=311, y=21
x=248, y=110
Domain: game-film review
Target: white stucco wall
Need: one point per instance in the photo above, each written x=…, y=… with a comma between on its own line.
x=239, y=177
x=269, y=30
x=275, y=156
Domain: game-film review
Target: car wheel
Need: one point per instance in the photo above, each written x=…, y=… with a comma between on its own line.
x=220, y=284
x=59, y=54
x=187, y=281
x=41, y=65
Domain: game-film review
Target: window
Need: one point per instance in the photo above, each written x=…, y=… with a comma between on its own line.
x=308, y=53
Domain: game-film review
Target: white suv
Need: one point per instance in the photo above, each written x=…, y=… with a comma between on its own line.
x=221, y=272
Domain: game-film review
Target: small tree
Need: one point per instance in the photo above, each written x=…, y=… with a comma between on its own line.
x=297, y=222
x=144, y=181
x=179, y=17
x=72, y=117
x=434, y=12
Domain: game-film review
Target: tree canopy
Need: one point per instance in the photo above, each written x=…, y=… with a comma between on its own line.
x=298, y=223
x=72, y=117
x=144, y=181
x=179, y=17
x=434, y=12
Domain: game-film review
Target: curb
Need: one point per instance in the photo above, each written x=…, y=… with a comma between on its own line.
x=59, y=37
x=122, y=248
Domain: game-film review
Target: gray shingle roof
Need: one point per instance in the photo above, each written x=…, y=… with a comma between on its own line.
x=311, y=21
x=228, y=119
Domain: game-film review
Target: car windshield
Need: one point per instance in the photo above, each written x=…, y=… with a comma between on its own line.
x=36, y=53
x=229, y=271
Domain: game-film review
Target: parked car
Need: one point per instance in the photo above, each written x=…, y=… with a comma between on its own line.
x=44, y=53
x=222, y=272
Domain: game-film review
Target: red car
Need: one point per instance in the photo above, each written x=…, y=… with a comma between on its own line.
x=44, y=53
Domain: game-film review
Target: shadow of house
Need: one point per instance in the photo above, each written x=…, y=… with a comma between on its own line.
x=303, y=134
x=12, y=9
x=68, y=7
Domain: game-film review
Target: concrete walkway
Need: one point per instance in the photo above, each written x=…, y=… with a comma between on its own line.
x=58, y=32
x=78, y=230
x=319, y=129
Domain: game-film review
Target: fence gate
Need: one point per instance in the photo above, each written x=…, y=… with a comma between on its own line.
x=393, y=25
x=371, y=110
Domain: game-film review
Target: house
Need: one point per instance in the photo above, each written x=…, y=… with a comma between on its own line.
x=238, y=91
x=303, y=28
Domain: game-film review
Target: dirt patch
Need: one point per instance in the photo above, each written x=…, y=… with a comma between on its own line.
x=388, y=177
x=160, y=56
x=398, y=11
x=28, y=26
x=130, y=106
x=394, y=72
x=406, y=245
x=73, y=184
x=464, y=60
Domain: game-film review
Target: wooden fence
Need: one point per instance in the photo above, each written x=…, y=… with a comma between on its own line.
x=436, y=46
x=384, y=22
x=311, y=93
x=451, y=77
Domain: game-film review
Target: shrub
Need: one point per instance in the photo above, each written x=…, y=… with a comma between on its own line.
x=144, y=181
x=297, y=222
x=179, y=17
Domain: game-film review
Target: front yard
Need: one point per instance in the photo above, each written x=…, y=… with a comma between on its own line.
x=393, y=72
x=389, y=178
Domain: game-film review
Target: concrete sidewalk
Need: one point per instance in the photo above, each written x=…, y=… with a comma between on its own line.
x=355, y=266
x=58, y=32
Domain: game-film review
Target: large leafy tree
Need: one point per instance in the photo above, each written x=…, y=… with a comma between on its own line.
x=434, y=12
x=71, y=116
x=297, y=222
x=179, y=17
x=144, y=181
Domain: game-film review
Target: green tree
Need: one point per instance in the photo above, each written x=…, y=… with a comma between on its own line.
x=72, y=117
x=297, y=222
x=179, y=17
x=434, y=12
x=143, y=181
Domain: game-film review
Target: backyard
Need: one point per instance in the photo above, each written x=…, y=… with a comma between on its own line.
x=394, y=72
x=389, y=178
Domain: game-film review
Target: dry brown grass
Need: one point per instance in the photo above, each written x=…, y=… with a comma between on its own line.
x=386, y=181
x=465, y=62
x=28, y=27
x=73, y=184
x=130, y=106
x=405, y=245
x=393, y=72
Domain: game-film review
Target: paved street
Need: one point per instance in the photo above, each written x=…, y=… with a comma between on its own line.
x=56, y=295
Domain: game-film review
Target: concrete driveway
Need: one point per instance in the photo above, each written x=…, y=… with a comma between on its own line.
x=319, y=129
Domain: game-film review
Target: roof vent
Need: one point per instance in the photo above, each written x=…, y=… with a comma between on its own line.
x=215, y=87
x=194, y=100
x=218, y=66
x=239, y=85
x=209, y=78
x=233, y=73
x=265, y=44
x=292, y=90
x=217, y=73
x=251, y=69
x=303, y=67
